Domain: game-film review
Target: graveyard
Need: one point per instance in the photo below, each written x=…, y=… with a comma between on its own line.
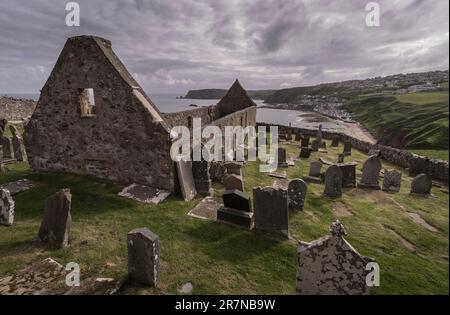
x=406, y=234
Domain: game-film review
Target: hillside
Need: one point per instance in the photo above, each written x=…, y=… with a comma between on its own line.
x=411, y=121
x=214, y=94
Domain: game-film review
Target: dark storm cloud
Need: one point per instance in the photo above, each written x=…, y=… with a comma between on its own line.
x=173, y=46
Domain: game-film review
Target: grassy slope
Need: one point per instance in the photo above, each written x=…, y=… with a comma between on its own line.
x=412, y=121
x=224, y=260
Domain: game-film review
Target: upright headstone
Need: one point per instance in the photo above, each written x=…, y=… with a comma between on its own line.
x=8, y=149
x=186, y=179
x=271, y=210
x=305, y=141
x=341, y=158
x=315, y=146
x=233, y=182
x=237, y=209
x=335, y=141
x=234, y=168
x=348, y=174
x=331, y=266
x=392, y=180
x=143, y=257
x=17, y=141
x=289, y=134
x=421, y=184
x=319, y=136
x=314, y=172
x=282, y=157
x=371, y=173
x=347, y=148
x=6, y=208
x=297, y=189
x=305, y=153
x=333, y=181
x=202, y=180
x=55, y=225
x=298, y=136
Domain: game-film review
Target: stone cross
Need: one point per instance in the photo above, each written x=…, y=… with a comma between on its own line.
x=55, y=225
x=333, y=181
x=297, y=189
x=6, y=208
x=392, y=180
x=143, y=257
x=371, y=173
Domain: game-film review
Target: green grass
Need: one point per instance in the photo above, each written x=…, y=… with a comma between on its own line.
x=219, y=259
x=433, y=154
x=413, y=121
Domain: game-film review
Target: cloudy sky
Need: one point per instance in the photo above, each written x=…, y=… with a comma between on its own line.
x=177, y=45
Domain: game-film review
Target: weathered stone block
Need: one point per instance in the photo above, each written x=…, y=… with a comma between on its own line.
x=392, y=180
x=333, y=181
x=243, y=219
x=271, y=210
x=421, y=184
x=6, y=208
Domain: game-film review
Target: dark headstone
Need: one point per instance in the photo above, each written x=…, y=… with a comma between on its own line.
x=341, y=158
x=55, y=225
x=371, y=173
x=143, y=257
x=298, y=136
x=305, y=153
x=234, y=168
x=237, y=200
x=305, y=141
x=335, y=141
x=233, y=182
x=315, y=146
x=6, y=208
x=202, y=180
x=271, y=210
x=421, y=184
x=235, y=217
x=319, y=135
x=282, y=157
x=348, y=175
x=289, y=134
x=418, y=165
x=217, y=171
x=8, y=149
x=347, y=149
x=333, y=181
x=297, y=189
x=314, y=173
x=392, y=180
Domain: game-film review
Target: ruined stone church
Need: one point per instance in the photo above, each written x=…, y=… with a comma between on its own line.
x=93, y=118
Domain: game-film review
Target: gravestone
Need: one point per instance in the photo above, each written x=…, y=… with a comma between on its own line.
x=289, y=134
x=331, y=266
x=315, y=146
x=333, y=181
x=305, y=141
x=392, y=180
x=143, y=257
x=186, y=179
x=8, y=149
x=319, y=136
x=418, y=165
x=323, y=145
x=19, y=148
x=348, y=174
x=298, y=136
x=347, y=149
x=56, y=222
x=371, y=173
x=6, y=208
x=335, y=141
x=217, y=171
x=305, y=153
x=271, y=210
x=341, y=158
x=234, y=168
x=297, y=189
x=314, y=172
x=282, y=157
x=202, y=180
x=421, y=184
x=233, y=182
x=237, y=200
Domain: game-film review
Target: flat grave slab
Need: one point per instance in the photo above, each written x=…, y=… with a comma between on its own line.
x=144, y=194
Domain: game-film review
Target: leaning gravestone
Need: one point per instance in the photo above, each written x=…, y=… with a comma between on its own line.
x=421, y=184
x=282, y=157
x=335, y=141
x=55, y=225
x=6, y=208
x=297, y=193
x=237, y=209
x=305, y=153
x=392, y=180
x=333, y=181
x=371, y=173
x=233, y=182
x=347, y=149
x=305, y=141
x=186, y=179
x=17, y=141
x=314, y=172
x=271, y=210
x=143, y=257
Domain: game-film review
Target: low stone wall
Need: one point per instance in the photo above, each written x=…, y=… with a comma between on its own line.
x=438, y=169
x=207, y=114
x=16, y=109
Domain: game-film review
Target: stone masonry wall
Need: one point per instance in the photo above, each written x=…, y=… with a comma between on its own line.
x=437, y=168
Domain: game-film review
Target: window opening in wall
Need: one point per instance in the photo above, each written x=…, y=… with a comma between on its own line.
x=87, y=102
